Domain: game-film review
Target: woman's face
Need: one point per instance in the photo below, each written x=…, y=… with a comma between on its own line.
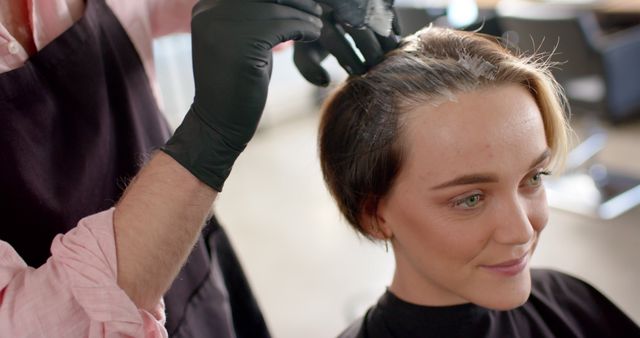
x=468, y=206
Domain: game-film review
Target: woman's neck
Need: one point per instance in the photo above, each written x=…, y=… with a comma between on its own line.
x=411, y=286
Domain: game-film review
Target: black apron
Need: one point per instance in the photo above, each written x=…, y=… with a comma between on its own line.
x=77, y=122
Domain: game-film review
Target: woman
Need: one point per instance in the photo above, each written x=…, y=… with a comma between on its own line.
x=440, y=150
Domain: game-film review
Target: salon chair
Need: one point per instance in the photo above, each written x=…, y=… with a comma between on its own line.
x=598, y=71
x=600, y=75
x=412, y=19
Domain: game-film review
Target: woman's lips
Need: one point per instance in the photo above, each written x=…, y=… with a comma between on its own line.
x=509, y=268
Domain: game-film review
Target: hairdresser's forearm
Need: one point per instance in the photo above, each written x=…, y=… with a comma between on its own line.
x=156, y=223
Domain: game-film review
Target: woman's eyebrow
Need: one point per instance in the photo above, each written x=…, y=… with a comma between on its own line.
x=486, y=178
x=468, y=179
x=545, y=155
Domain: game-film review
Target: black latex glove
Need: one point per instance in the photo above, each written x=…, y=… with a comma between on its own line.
x=232, y=62
x=308, y=56
x=375, y=14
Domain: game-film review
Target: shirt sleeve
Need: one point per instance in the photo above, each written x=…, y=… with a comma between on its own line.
x=74, y=294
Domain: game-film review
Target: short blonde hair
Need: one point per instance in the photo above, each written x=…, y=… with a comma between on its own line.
x=359, y=138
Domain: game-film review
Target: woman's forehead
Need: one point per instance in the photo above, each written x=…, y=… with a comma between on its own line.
x=482, y=129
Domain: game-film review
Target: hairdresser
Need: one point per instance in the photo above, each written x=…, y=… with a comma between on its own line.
x=78, y=115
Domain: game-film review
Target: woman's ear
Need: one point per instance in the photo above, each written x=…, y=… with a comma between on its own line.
x=372, y=220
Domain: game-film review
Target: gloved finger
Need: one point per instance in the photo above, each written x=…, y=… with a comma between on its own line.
x=308, y=57
x=292, y=29
x=368, y=44
x=333, y=39
x=255, y=11
x=310, y=6
x=291, y=23
x=388, y=43
x=350, y=12
x=332, y=3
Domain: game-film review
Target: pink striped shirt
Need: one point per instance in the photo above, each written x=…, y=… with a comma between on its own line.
x=143, y=20
x=75, y=294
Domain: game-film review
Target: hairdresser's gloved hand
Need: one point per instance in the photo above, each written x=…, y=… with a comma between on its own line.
x=373, y=26
x=232, y=61
x=376, y=15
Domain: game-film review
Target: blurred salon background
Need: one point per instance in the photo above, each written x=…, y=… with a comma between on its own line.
x=312, y=275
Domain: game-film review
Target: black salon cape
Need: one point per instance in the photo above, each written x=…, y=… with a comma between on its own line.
x=559, y=306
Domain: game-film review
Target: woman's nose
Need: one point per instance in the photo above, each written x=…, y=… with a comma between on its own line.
x=513, y=222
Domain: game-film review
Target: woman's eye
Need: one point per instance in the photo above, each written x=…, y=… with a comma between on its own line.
x=468, y=202
x=536, y=180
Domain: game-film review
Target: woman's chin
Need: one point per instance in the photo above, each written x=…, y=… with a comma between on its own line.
x=509, y=303
x=506, y=294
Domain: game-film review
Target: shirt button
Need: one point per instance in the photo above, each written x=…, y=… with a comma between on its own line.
x=13, y=47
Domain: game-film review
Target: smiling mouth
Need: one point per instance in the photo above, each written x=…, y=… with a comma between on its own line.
x=509, y=268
